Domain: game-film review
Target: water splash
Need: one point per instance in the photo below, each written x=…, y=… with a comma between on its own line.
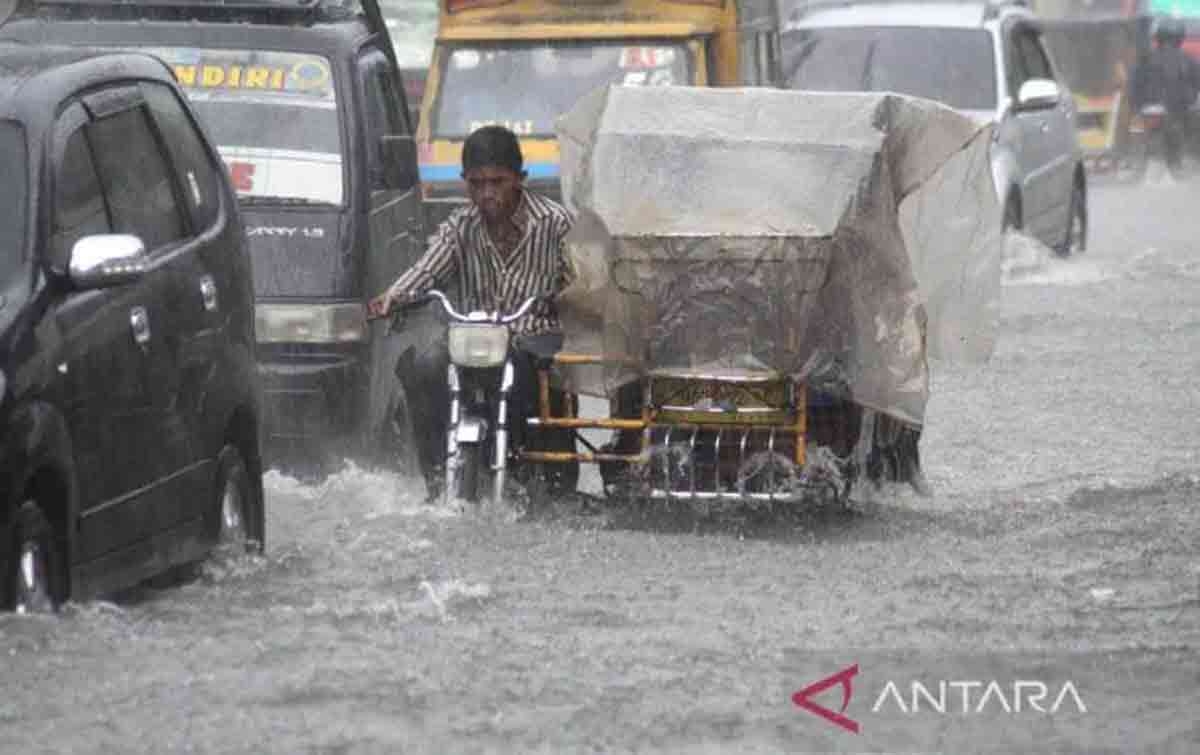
x=385, y=493
x=443, y=596
x=1028, y=262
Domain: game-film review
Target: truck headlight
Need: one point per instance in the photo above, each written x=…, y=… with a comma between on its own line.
x=310, y=323
x=478, y=344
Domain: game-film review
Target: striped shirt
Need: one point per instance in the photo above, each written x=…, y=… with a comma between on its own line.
x=490, y=280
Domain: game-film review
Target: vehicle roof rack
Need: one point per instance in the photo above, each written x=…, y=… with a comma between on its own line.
x=991, y=8
x=269, y=11
x=810, y=5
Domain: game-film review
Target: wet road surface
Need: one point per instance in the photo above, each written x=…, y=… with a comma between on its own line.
x=1063, y=527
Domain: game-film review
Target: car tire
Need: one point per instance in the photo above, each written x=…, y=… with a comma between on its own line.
x=235, y=507
x=1012, y=219
x=36, y=571
x=1075, y=241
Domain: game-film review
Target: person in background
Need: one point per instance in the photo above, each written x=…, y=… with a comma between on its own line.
x=1169, y=77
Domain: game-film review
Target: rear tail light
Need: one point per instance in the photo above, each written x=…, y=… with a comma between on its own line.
x=1144, y=123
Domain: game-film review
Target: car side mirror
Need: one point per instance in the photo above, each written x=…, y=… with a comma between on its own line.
x=400, y=168
x=105, y=260
x=1038, y=94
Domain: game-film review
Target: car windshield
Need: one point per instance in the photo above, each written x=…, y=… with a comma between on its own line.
x=273, y=117
x=12, y=199
x=526, y=87
x=953, y=66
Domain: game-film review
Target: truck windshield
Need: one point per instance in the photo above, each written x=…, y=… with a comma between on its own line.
x=526, y=86
x=273, y=117
x=953, y=66
x=13, y=193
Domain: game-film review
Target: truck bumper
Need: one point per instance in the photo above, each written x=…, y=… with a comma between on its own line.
x=312, y=398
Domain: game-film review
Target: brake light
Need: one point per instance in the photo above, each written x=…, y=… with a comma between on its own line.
x=454, y=6
x=1143, y=124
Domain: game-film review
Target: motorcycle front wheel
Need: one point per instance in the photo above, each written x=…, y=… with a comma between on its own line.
x=465, y=485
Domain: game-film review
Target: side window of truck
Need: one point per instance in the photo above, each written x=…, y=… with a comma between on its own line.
x=13, y=202
x=198, y=179
x=381, y=102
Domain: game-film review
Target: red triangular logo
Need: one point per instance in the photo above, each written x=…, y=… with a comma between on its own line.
x=843, y=677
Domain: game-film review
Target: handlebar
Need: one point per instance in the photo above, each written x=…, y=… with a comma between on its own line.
x=521, y=310
x=490, y=317
x=493, y=317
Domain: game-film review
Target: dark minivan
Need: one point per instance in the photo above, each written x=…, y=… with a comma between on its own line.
x=306, y=106
x=129, y=403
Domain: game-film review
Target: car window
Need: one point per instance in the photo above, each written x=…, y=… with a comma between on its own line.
x=1015, y=69
x=136, y=181
x=13, y=196
x=194, y=168
x=79, y=208
x=1034, y=64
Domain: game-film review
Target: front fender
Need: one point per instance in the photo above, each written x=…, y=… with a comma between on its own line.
x=35, y=439
x=237, y=388
x=1006, y=174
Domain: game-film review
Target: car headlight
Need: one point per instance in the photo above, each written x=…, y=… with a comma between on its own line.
x=310, y=323
x=478, y=344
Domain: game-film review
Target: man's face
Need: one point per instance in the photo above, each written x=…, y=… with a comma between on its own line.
x=495, y=191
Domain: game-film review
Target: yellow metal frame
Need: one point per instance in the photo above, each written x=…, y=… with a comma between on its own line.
x=796, y=425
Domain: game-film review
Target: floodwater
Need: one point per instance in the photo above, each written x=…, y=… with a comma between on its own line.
x=1063, y=525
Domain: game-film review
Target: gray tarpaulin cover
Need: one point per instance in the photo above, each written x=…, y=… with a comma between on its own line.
x=839, y=238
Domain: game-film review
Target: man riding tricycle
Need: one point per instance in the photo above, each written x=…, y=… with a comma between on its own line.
x=754, y=279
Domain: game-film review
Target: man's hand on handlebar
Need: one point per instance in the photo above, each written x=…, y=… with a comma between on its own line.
x=388, y=304
x=379, y=307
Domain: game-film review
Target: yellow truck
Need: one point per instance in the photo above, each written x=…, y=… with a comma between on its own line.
x=1097, y=48
x=522, y=63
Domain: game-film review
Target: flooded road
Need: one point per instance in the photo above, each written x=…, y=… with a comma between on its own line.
x=1061, y=542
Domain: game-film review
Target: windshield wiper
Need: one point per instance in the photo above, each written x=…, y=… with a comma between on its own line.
x=868, y=74
x=256, y=200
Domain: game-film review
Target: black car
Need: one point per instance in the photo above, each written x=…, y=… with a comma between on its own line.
x=130, y=405
x=306, y=106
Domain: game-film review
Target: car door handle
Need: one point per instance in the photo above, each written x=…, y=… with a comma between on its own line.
x=208, y=292
x=139, y=323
